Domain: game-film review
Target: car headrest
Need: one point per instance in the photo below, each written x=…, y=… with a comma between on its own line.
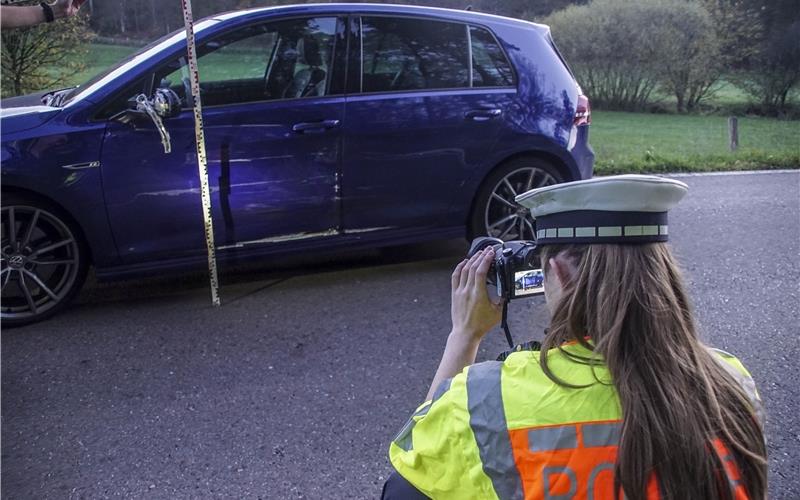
x=309, y=50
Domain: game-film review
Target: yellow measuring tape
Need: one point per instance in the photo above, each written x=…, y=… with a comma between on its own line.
x=202, y=161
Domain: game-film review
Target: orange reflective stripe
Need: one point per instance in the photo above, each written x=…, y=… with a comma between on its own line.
x=731, y=470
x=576, y=462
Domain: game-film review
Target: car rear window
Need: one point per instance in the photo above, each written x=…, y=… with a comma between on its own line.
x=490, y=67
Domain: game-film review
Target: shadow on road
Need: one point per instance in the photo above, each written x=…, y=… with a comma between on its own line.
x=274, y=270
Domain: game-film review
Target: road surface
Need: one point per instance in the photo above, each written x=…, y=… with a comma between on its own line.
x=295, y=386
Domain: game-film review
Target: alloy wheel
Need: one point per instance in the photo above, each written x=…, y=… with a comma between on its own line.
x=503, y=217
x=40, y=262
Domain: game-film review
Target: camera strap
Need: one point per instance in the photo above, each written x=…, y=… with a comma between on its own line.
x=504, y=325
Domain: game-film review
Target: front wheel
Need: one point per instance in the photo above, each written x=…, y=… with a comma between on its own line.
x=43, y=262
x=495, y=213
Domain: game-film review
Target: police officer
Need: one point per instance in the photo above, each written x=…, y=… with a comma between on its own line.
x=622, y=400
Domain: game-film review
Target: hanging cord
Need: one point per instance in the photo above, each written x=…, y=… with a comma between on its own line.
x=504, y=325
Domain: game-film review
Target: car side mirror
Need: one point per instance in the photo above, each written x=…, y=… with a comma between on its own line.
x=164, y=104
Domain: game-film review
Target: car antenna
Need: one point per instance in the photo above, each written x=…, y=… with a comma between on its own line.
x=469, y=7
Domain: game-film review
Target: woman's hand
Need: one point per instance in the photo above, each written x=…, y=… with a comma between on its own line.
x=471, y=310
x=66, y=8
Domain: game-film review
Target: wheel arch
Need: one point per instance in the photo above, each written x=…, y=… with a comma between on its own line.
x=562, y=169
x=70, y=219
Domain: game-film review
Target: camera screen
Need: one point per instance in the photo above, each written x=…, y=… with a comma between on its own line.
x=528, y=282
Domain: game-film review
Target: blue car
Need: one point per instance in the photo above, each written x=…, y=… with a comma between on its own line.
x=336, y=125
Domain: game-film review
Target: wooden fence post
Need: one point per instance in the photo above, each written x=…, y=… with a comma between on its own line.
x=733, y=132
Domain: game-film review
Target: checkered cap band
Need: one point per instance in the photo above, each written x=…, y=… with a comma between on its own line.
x=593, y=226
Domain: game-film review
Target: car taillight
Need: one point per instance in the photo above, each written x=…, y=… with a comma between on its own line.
x=583, y=113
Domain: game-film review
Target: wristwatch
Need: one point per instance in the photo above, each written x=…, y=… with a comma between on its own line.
x=48, y=12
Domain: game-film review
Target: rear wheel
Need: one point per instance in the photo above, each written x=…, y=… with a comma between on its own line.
x=495, y=213
x=43, y=262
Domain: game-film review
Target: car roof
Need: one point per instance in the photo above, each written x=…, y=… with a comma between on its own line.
x=376, y=8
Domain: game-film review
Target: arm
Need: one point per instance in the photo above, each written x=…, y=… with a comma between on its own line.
x=436, y=450
x=21, y=17
x=473, y=315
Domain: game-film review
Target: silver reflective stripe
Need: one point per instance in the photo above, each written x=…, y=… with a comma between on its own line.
x=733, y=482
x=601, y=434
x=609, y=231
x=564, y=437
x=747, y=383
x=602, y=232
x=565, y=232
x=423, y=411
x=603, y=466
x=403, y=438
x=565, y=471
x=443, y=387
x=487, y=419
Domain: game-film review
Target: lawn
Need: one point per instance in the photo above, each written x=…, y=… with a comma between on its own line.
x=100, y=57
x=639, y=142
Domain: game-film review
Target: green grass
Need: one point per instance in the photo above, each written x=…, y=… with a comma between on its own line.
x=639, y=142
x=100, y=57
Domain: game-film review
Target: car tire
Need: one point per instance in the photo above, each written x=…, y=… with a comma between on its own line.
x=494, y=212
x=43, y=260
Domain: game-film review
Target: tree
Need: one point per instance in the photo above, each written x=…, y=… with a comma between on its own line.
x=610, y=47
x=689, y=51
x=623, y=51
x=775, y=70
x=28, y=53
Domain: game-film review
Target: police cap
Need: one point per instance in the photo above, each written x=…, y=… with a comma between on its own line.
x=614, y=209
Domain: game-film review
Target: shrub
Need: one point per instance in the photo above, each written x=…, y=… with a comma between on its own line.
x=606, y=42
x=775, y=70
x=29, y=54
x=624, y=51
x=687, y=52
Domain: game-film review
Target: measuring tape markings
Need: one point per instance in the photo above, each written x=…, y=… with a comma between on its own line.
x=202, y=161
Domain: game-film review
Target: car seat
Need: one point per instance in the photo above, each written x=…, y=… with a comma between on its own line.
x=309, y=81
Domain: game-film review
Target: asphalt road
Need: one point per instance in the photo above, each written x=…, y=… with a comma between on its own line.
x=294, y=387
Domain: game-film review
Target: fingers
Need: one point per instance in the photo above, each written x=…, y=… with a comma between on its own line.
x=484, y=265
x=478, y=272
x=455, y=279
x=467, y=268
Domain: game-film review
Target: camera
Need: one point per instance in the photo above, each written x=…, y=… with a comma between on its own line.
x=516, y=270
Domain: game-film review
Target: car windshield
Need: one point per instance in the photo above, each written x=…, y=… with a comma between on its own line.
x=76, y=91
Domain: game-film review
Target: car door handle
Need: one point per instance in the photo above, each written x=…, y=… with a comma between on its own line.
x=481, y=115
x=314, y=127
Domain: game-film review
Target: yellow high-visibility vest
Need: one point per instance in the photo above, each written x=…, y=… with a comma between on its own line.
x=505, y=430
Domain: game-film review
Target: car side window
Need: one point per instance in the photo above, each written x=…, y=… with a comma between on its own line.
x=490, y=68
x=413, y=54
x=280, y=60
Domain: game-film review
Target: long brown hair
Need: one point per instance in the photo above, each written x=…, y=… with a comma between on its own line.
x=676, y=399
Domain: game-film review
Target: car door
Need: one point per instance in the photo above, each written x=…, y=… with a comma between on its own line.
x=272, y=123
x=424, y=120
